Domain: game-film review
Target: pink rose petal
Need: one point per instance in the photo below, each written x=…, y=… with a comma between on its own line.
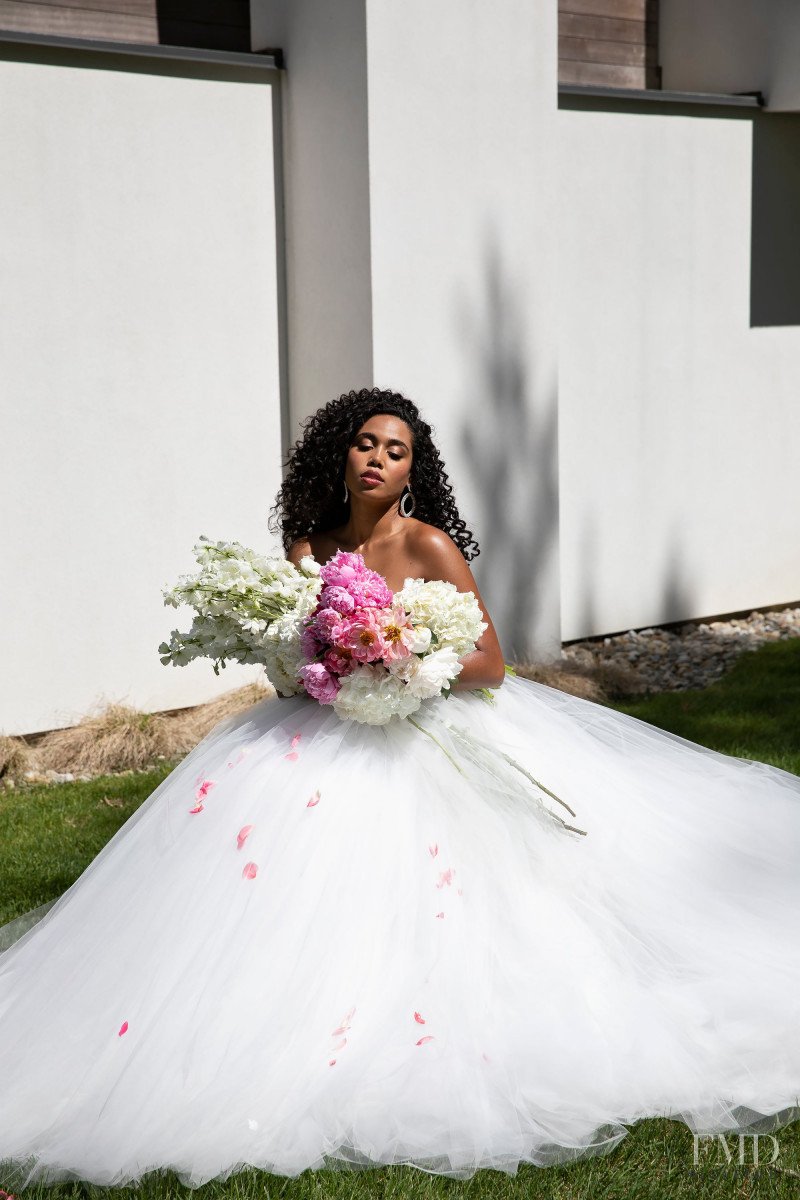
x=315, y=799
x=250, y=870
x=420, y=1020
x=344, y=1023
x=428, y=1038
x=293, y=757
x=332, y=1063
x=441, y=914
x=242, y=835
x=339, y=1045
x=445, y=877
x=434, y=849
x=199, y=807
x=123, y=1029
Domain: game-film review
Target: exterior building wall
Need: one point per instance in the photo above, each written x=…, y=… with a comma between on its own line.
x=678, y=415
x=733, y=46
x=139, y=351
x=421, y=251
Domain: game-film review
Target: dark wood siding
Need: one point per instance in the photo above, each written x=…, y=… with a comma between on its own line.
x=208, y=24
x=611, y=43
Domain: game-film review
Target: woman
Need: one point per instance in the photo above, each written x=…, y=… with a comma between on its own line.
x=385, y=944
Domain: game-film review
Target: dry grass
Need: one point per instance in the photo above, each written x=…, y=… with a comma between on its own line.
x=16, y=757
x=120, y=738
x=600, y=682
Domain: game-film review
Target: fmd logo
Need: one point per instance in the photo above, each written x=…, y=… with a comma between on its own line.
x=725, y=1155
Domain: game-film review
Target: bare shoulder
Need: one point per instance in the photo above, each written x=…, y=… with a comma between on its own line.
x=439, y=555
x=298, y=550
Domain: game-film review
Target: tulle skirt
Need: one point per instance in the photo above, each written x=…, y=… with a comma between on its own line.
x=500, y=933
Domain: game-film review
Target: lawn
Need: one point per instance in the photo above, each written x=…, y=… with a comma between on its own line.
x=50, y=834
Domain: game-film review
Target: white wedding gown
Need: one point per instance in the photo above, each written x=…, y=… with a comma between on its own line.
x=378, y=945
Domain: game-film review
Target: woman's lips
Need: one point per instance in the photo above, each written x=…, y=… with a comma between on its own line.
x=371, y=477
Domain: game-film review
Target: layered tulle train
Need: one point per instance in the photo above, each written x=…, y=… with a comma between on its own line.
x=319, y=942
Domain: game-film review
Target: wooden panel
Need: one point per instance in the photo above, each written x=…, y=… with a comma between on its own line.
x=608, y=75
x=117, y=26
x=207, y=24
x=576, y=25
x=632, y=10
x=137, y=8
x=626, y=54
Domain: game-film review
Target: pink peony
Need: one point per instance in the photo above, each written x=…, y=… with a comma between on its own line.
x=320, y=682
x=339, y=660
x=338, y=598
x=309, y=643
x=371, y=592
x=328, y=625
x=364, y=635
x=342, y=569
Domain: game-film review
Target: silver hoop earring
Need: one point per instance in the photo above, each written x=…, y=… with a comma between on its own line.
x=403, y=509
x=346, y=493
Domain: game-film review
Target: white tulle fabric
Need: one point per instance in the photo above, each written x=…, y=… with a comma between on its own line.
x=426, y=967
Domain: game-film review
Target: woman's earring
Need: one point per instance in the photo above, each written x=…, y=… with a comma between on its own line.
x=346, y=493
x=405, y=510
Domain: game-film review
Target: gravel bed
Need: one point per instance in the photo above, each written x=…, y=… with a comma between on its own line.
x=691, y=656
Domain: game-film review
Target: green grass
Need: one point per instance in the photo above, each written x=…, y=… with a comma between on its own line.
x=752, y=712
x=49, y=835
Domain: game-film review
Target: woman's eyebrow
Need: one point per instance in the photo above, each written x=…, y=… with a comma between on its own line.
x=391, y=442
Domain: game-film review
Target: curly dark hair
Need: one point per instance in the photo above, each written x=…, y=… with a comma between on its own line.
x=310, y=497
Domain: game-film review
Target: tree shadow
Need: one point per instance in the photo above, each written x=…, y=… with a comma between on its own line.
x=509, y=438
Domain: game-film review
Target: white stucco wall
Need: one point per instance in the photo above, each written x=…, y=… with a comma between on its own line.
x=139, y=371
x=679, y=423
x=421, y=207
x=463, y=210
x=732, y=46
x=326, y=188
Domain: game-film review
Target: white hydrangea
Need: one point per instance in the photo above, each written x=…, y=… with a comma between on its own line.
x=454, y=617
x=373, y=696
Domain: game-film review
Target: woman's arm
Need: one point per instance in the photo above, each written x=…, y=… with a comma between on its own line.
x=298, y=550
x=442, y=559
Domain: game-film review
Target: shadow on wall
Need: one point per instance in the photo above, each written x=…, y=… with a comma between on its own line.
x=601, y=605
x=775, y=238
x=510, y=443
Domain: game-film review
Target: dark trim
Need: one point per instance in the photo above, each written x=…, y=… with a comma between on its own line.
x=230, y=58
x=655, y=95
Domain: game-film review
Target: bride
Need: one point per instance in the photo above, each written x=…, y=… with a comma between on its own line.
x=379, y=944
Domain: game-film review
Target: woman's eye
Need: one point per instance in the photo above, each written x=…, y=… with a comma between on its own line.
x=396, y=457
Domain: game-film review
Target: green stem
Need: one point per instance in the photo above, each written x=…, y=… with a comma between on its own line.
x=438, y=743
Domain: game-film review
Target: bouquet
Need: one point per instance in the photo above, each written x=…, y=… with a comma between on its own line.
x=336, y=632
